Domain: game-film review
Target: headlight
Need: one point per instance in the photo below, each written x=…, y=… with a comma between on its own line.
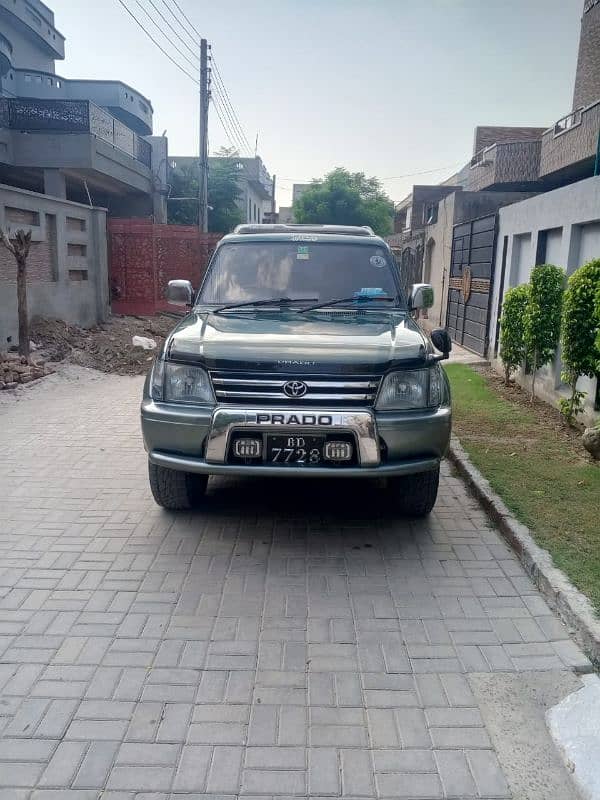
x=409, y=389
x=180, y=383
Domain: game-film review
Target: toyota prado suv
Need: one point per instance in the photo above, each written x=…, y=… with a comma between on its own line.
x=299, y=356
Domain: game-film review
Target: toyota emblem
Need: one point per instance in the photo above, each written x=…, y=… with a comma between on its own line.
x=295, y=389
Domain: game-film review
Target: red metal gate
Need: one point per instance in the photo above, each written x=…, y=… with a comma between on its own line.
x=144, y=257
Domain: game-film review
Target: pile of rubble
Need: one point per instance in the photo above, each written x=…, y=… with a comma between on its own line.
x=15, y=369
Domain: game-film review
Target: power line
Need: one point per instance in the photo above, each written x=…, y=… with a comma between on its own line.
x=171, y=42
x=195, y=41
x=388, y=178
x=166, y=21
x=220, y=87
x=223, y=125
x=183, y=14
x=219, y=97
x=221, y=83
x=160, y=47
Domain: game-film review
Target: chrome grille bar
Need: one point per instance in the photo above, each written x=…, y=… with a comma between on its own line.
x=232, y=387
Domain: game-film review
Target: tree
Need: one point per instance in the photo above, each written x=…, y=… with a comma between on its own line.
x=19, y=247
x=223, y=193
x=184, y=183
x=580, y=333
x=345, y=198
x=542, y=316
x=512, y=338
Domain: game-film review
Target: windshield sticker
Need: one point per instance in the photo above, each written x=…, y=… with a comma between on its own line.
x=371, y=292
x=378, y=261
x=303, y=253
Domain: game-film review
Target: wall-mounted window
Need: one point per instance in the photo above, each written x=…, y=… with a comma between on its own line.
x=249, y=210
x=27, y=78
x=77, y=250
x=58, y=84
x=75, y=224
x=430, y=213
x=78, y=275
x=22, y=215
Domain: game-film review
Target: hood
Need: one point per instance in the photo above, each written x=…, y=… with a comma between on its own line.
x=287, y=340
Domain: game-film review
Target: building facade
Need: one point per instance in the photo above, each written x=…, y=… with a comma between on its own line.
x=254, y=183
x=84, y=141
x=560, y=227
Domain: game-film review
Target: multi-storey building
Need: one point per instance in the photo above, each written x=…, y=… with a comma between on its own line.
x=254, y=183
x=84, y=140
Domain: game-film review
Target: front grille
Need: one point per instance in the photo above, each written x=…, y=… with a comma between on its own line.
x=255, y=388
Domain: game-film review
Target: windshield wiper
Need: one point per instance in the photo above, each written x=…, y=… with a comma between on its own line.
x=271, y=301
x=336, y=301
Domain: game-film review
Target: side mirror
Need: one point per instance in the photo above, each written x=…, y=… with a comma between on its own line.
x=421, y=296
x=180, y=293
x=442, y=341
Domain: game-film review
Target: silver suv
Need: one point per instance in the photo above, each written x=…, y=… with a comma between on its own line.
x=299, y=357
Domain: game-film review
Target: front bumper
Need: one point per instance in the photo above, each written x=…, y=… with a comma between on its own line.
x=196, y=438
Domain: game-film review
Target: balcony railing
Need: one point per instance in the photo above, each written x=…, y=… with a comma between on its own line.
x=571, y=141
x=569, y=121
x=4, y=119
x=75, y=116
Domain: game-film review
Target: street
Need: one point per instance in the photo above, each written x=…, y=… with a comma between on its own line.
x=292, y=639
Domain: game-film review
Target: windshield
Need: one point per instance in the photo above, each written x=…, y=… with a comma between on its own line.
x=311, y=270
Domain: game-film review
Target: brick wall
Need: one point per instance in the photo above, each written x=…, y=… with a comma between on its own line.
x=574, y=145
x=587, y=80
x=41, y=263
x=67, y=274
x=487, y=135
x=144, y=257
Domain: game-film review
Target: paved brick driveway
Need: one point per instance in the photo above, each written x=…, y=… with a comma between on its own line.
x=291, y=640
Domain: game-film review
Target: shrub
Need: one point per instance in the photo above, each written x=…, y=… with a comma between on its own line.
x=580, y=333
x=512, y=339
x=542, y=316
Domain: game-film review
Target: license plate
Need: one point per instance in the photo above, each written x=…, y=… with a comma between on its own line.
x=292, y=449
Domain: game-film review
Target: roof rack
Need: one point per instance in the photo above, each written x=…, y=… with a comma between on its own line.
x=280, y=227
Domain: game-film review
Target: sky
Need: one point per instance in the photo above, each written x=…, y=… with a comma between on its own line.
x=386, y=87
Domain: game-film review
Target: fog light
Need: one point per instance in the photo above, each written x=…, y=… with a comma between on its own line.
x=247, y=448
x=338, y=451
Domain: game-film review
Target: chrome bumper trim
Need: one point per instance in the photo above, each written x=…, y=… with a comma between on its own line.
x=360, y=423
x=202, y=466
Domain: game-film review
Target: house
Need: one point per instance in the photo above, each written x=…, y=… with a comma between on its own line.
x=72, y=152
x=255, y=183
x=88, y=141
x=527, y=196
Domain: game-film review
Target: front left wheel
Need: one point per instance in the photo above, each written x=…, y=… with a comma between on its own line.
x=415, y=495
x=175, y=490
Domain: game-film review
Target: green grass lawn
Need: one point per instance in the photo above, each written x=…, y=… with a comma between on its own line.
x=537, y=468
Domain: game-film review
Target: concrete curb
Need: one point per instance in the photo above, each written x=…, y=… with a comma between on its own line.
x=570, y=604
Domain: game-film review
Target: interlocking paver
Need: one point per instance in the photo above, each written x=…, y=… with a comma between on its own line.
x=287, y=641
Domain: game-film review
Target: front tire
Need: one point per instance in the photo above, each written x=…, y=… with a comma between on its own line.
x=415, y=495
x=174, y=490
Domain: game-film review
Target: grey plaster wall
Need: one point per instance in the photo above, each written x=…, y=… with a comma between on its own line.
x=68, y=277
x=560, y=227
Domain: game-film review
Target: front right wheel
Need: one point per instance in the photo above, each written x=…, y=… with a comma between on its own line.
x=415, y=495
x=175, y=490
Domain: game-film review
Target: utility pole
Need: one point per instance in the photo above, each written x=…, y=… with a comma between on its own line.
x=273, y=198
x=203, y=140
